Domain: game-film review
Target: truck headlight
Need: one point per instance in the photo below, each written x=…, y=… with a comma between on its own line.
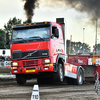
x=47, y=61
x=14, y=63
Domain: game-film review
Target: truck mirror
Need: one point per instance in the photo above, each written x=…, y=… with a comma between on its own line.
x=56, y=33
x=7, y=38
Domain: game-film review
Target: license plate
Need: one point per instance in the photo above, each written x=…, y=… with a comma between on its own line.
x=32, y=70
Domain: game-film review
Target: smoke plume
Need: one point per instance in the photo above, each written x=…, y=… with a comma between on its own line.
x=29, y=8
x=91, y=7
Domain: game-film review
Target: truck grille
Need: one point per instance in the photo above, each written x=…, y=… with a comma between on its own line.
x=30, y=54
x=30, y=63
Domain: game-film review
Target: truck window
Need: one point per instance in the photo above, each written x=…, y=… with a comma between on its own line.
x=28, y=33
x=53, y=32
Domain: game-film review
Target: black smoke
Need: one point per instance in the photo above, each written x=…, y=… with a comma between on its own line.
x=29, y=8
x=91, y=7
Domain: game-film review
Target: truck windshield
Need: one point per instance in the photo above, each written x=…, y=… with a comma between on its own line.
x=31, y=34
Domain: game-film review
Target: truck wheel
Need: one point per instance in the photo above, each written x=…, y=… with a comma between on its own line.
x=59, y=75
x=20, y=78
x=79, y=80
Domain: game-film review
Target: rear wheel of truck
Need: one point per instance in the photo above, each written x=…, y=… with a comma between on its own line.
x=79, y=80
x=20, y=78
x=59, y=75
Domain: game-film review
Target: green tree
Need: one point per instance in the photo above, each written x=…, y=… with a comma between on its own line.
x=10, y=23
x=97, y=49
x=86, y=48
x=77, y=47
x=2, y=39
x=25, y=22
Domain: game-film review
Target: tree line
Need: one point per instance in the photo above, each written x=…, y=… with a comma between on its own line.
x=72, y=47
x=77, y=48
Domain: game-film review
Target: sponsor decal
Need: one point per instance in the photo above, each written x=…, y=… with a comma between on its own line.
x=71, y=68
x=80, y=61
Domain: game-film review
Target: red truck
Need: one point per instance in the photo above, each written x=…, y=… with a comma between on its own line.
x=38, y=50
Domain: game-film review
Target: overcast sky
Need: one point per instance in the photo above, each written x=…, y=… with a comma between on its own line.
x=76, y=21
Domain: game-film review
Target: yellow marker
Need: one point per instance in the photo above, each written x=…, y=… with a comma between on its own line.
x=14, y=25
x=34, y=23
x=50, y=64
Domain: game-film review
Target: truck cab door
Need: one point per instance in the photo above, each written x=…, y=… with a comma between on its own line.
x=55, y=40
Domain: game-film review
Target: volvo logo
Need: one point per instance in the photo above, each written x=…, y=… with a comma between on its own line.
x=29, y=54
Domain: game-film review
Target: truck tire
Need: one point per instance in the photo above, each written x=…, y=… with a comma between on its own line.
x=20, y=78
x=79, y=80
x=59, y=75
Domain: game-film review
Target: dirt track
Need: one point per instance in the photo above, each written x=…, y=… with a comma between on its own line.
x=10, y=90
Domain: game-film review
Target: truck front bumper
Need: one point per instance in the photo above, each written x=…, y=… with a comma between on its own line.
x=32, y=70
